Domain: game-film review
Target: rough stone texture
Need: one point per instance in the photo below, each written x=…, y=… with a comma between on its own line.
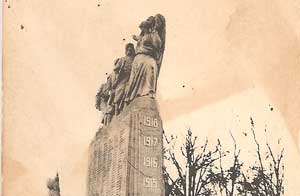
x=125, y=157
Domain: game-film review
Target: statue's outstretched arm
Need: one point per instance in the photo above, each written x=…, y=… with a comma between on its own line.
x=136, y=37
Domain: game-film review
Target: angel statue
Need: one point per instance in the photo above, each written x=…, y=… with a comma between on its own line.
x=53, y=186
x=147, y=62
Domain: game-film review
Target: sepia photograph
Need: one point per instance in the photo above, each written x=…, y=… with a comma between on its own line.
x=151, y=98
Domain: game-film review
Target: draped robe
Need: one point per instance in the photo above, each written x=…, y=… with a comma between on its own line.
x=144, y=72
x=123, y=68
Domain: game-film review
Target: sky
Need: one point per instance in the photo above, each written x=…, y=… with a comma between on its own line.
x=225, y=61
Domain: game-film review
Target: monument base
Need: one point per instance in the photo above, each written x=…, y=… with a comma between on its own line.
x=126, y=157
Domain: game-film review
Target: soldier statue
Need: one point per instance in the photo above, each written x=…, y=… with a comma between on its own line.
x=111, y=95
x=123, y=69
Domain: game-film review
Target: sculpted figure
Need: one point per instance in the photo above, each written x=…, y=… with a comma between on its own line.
x=105, y=97
x=100, y=99
x=122, y=69
x=109, y=109
x=53, y=186
x=147, y=62
x=136, y=73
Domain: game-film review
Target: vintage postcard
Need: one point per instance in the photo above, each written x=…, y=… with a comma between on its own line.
x=151, y=98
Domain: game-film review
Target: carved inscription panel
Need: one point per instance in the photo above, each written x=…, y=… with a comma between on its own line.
x=106, y=167
x=150, y=148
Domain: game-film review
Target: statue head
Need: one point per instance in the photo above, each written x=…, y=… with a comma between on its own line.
x=129, y=49
x=144, y=27
x=150, y=22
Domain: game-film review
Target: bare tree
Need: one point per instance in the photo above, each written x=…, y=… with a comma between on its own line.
x=227, y=180
x=192, y=178
x=202, y=172
x=265, y=177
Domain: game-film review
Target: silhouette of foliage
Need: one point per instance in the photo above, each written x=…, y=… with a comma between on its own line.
x=201, y=171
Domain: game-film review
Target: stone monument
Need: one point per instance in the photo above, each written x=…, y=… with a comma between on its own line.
x=126, y=154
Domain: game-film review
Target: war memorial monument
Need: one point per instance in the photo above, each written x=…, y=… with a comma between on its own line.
x=126, y=154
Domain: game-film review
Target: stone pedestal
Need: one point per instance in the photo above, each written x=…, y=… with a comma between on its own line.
x=126, y=157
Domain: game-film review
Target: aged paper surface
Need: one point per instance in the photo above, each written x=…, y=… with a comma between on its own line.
x=225, y=61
